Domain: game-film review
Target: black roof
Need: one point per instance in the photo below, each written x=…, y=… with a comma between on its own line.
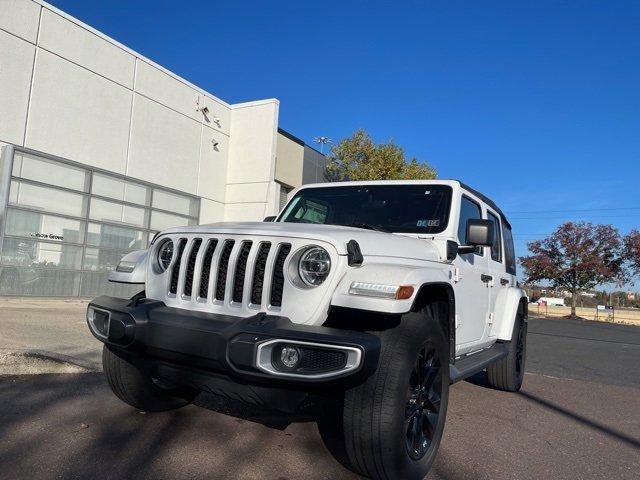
x=486, y=200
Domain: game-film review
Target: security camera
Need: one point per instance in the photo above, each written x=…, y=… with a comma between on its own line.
x=204, y=109
x=215, y=143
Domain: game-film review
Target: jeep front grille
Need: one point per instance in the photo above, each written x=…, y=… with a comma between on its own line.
x=176, y=267
x=217, y=270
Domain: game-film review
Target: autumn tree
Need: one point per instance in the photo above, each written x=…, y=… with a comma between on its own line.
x=632, y=250
x=576, y=257
x=360, y=158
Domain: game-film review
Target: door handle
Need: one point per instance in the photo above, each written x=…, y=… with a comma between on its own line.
x=504, y=282
x=486, y=278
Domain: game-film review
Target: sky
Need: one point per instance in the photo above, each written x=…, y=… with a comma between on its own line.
x=534, y=103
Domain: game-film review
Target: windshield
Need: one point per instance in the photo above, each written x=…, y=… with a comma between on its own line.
x=391, y=208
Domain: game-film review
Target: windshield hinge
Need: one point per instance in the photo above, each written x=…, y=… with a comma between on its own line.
x=354, y=255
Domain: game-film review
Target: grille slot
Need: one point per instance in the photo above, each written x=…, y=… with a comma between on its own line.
x=241, y=268
x=191, y=266
x=175, y=273
x=277, y=285
x=223, y=267
x=206, y=268
x=258, y=273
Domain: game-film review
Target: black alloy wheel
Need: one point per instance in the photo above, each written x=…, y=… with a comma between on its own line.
x=422, y=410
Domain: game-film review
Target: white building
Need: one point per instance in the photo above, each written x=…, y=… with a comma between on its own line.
x=102, y=147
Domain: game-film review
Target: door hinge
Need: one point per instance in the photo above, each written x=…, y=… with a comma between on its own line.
x=490, y=320
x=456, y=275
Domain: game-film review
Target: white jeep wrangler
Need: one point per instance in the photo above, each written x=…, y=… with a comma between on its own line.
x=363, y=300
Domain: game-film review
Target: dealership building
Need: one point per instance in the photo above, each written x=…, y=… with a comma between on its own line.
x=101, y=148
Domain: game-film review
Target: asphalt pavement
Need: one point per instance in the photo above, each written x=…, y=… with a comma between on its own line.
x=577, y=416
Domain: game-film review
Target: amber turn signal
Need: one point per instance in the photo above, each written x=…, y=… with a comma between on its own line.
x=404, y=292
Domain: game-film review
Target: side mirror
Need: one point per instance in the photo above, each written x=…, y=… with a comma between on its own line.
x=270, y=218
x=479, y=234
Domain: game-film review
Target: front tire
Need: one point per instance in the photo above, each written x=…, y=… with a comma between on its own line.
x=393, y=423
x=132, y=386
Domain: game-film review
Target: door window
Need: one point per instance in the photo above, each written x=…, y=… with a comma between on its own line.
x=468, y=210
x=496, y=248
x=509, y=251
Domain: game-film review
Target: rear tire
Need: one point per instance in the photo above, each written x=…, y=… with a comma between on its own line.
x=132, y=386
x=508, y=373
x=393, y=422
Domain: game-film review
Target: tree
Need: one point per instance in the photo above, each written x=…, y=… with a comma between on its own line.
x=359, y=158
x=632, y=250
x=576, y=257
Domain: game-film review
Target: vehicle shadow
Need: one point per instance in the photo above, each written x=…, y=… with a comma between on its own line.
x=480, y=380
x=72, y=426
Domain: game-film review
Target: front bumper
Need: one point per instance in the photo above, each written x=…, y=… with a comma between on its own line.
x=244, y=349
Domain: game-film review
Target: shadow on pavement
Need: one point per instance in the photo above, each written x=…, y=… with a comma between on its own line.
x=631, y=441
x=72, y=426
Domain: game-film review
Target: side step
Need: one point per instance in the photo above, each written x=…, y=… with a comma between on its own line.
x=471, y=364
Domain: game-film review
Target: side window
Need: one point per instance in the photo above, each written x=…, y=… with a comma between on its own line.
x=509, y=251
x=496, y=248
x=468, y=209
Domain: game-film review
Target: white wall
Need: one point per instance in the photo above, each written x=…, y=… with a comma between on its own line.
x=251, y=190
x=289, y=159
x=70, y=91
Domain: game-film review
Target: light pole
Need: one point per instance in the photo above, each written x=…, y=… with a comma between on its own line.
x=322, y=141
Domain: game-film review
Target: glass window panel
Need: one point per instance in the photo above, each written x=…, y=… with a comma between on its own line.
x=162, y=221
x=97, y=283
x=49, y=171
x=111, y=236
x=97, y=259
x=496, y=247
x=47, y=199
x=29, y=254
x=39, y=225
x=119, y=189
x=174, y=203
x=42, y=282
x=116, y=212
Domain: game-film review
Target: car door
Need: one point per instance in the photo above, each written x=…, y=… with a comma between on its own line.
x=500, y=281
x=471, y=291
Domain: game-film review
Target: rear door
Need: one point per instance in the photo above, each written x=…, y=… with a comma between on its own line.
x=500, y=280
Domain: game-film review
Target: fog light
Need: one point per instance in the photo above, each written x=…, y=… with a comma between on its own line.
x=290, y=356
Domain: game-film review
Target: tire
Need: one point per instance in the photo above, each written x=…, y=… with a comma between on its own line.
x=508, y=373
x=381, y=416
x=135, y=388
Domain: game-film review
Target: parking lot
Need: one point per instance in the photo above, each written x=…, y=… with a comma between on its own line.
x=576, y=417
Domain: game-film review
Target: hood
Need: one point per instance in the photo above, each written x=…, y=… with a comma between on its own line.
x=372, y=243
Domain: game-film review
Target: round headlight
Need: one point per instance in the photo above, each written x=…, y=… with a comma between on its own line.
x=314, y=266
x=165, y=254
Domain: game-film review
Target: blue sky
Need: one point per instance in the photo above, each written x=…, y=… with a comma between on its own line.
x=537, y=104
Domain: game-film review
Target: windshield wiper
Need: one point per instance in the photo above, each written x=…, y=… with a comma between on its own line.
x=369, y=226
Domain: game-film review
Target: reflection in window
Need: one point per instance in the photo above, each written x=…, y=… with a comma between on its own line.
x=116, y=212
x=46, y=199
x=49, y=171
x=173, y=202
x=39, y=225
x=161, y=221
x=119, y=189
x=34, y=254
x=125, y=239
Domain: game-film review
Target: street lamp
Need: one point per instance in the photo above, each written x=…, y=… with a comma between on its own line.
x=322, y=141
